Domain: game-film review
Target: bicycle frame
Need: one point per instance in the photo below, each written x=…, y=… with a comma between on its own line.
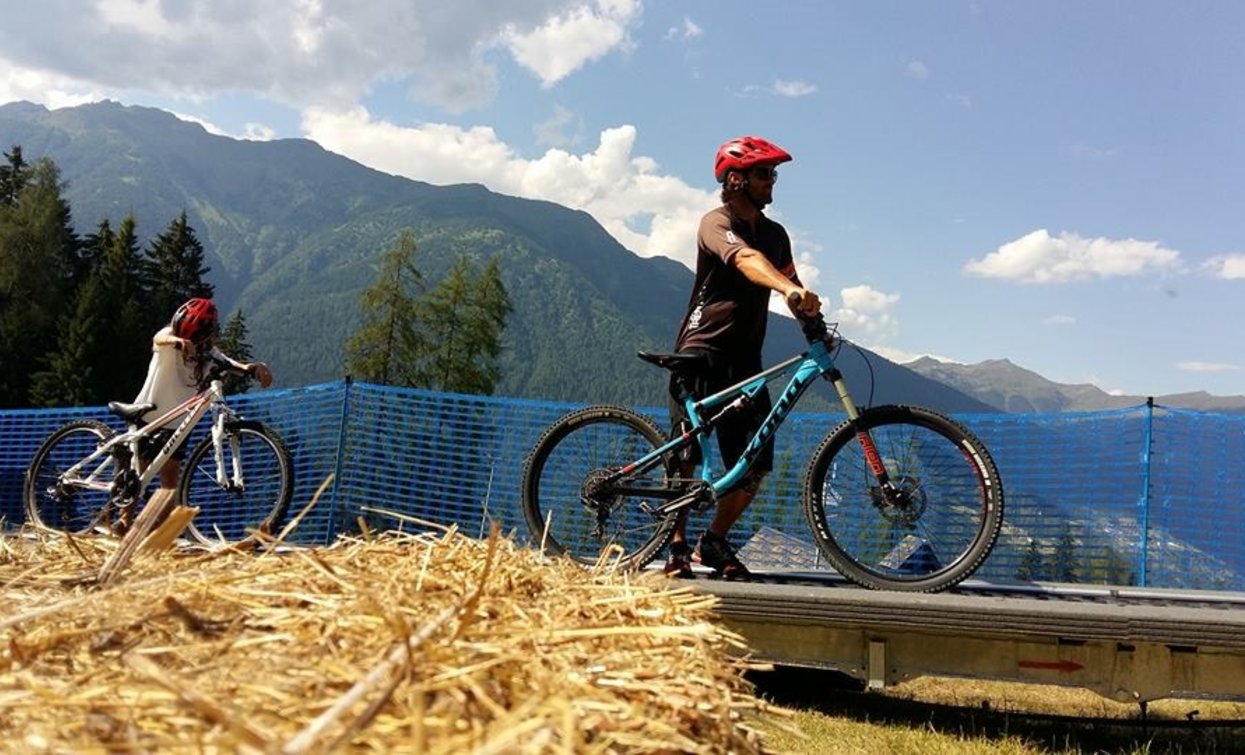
x=804, y=369
x=194, y=408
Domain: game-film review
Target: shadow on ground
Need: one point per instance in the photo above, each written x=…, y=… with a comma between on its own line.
x=841, y=696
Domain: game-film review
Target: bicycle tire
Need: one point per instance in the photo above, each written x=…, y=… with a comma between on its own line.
x=74, y=510
x=227, y=514
x=580, y=444
x=937, y=533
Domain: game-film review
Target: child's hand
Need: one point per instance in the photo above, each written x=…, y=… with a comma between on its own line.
x=260, y=372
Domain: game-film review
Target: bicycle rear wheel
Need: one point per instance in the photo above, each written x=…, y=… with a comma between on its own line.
x=52, y=501
x=933, y=529
x=229, y=512
x=564, y=514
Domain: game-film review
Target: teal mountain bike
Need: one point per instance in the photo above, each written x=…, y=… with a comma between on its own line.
x=896, y=497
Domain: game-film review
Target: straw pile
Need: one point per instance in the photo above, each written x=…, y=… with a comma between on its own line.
x=429, y=643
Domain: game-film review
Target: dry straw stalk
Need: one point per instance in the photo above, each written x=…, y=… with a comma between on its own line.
x=404, y=643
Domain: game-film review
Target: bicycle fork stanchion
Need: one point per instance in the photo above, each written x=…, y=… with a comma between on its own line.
x=872, y=457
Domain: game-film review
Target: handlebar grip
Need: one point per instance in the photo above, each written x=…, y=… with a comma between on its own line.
x=793, y=299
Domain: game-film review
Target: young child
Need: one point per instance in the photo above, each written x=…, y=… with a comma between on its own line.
x=181, y=354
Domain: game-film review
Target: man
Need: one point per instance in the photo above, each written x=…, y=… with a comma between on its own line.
x=742, y=256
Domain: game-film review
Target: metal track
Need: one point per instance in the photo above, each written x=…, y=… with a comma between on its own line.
x=1128, y=644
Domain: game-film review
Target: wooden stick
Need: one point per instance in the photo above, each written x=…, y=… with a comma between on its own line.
x=397, y=658
x=143, y=524
x=169, y=530
x=205, y=706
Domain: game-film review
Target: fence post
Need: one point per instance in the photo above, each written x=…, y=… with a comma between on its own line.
x=1146, y=460
x=337, y=462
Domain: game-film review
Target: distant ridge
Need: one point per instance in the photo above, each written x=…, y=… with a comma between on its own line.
x=1012, y=388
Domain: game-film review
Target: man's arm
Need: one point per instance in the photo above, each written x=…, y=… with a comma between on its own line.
x=757, y=268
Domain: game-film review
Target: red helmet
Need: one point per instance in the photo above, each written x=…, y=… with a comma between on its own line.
x=744, y=152
x=196, y=320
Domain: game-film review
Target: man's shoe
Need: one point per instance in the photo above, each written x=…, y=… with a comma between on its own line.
x=679, y=565
x=714, y=552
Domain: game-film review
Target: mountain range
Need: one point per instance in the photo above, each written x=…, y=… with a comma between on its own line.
x=292, y=234
x=1012, y=388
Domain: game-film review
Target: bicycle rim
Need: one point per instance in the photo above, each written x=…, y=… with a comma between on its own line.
x=583, y=446
x=229, y=513
x=935, y=532
x=57, y=506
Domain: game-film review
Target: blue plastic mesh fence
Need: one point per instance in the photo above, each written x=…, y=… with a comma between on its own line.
x=1140, y=496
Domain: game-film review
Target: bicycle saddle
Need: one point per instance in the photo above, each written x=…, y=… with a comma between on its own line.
x=675, y=362
x=129, y=412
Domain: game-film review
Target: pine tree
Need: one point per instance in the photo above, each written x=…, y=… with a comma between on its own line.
x=388, y=337
x=12, y=176
x=233, y=341
x=129, y=327
x=176, y=269
x=70, y=377
x=1067, y=566
x=94, y=249
x=104, y=343
x=1031, y=566
x=37, y=245
x=463, y=317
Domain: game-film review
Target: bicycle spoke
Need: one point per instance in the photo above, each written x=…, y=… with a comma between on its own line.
x=230, y=511
x=929, y=527
x=60, y=503
x=570, y=505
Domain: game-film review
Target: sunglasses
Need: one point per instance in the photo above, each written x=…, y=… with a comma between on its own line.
x=765, y=173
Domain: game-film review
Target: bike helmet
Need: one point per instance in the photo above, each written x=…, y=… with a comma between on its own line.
x=196, y=320
x=744, y=152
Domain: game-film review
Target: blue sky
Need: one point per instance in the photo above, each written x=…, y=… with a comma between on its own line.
x=1061, y=184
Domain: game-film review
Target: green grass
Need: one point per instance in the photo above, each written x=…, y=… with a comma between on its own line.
x=821, y=712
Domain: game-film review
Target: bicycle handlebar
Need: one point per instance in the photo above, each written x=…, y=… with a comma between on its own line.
x=814, y=327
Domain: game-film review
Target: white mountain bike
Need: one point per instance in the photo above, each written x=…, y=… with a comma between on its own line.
x=87, y=477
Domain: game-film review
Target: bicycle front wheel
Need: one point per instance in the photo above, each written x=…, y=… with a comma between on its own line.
x=231, y=506
x=936, y=523
x=567, y=511
x=56, y=502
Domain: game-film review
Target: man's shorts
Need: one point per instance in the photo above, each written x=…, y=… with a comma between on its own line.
x=707, y=376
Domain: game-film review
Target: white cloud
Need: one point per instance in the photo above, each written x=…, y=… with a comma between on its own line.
x=793, y=88
x=963, y=100
x=779, y=88
x=567, y=41
x=865, y=310
x=1091, y=152
x=258, y=132
x=1060, y=320
x=900, y=356
x=47, y=88
x=207, y=125
x=1208, y=367
x=646, y=211
x=916, y=69
x=617, y=188
x=1227, y=266
x=552, y=131
x=689, y=30
x=1039, y=257
x=301, y=52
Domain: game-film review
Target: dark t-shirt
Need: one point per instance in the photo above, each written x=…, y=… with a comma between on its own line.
x=727, y=312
